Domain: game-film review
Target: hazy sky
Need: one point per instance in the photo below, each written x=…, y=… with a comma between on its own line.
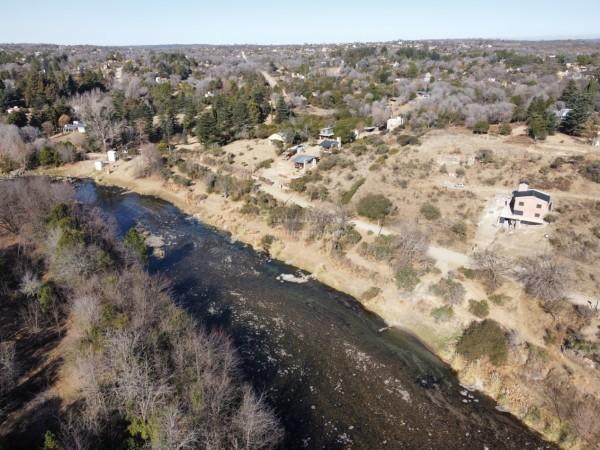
x=126, y=22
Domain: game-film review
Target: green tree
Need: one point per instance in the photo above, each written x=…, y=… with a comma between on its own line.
x=375, y=207
x=207, y=128
x=282, y=112
x=569, y=94
x=18, y=118
x=574, y=123
x=136, y=242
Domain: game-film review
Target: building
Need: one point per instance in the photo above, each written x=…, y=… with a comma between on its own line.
x=326, y=133
x=562, y=114
x=394, y=122
x=526, y=206
x=76, y=126
x=277, y=137
x=305, y=161
x=330, y=144
x=112, y=156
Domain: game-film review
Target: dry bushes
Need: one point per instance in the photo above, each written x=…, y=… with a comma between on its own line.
x=544, y=277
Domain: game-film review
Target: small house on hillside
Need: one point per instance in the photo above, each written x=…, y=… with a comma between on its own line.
x=330, y=144
x=305, y=161
x=526, y=206
x=394, y=122
x=326, y=133
x=76, y=126
x=277, y=137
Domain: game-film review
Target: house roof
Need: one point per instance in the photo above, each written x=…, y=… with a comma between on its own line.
x=328, y=143
x=302, y=159
x=532, y=193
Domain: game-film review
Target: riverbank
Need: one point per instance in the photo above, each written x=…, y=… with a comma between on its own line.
x=350, y=275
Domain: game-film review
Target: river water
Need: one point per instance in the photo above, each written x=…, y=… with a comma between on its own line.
x=335, y=380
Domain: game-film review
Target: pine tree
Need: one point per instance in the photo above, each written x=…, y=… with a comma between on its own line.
x=281, y=111
x=574, y=122
x=207, y=128
x=569, y=94
x=254, y=112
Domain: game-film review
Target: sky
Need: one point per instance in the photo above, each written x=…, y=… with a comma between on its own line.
x=145, y=22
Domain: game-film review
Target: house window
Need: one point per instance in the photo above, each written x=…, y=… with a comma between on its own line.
x=521, y=203
x=537, y=215
x=538, y=206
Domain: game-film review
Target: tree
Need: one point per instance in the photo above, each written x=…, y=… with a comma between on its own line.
x=544, y=277
x=149, y=161
x=18, y=118
x=484, y=339
x=97, y=111
x=570, y=94
x=206, y=129
x=375, y=207
x=575, y=121
x=282, y=112
x=136, y=243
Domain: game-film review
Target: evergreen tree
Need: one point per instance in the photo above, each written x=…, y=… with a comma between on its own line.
x=281, y=111
x=569, y=94
x=254, y=112
x=574, y=122
x=207, y=128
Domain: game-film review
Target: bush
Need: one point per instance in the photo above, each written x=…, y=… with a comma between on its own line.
x=47, y=156
x=479, y=309
x=430, y=212
x=481, y=127
x=406, y=139
x=347, y=196
x=451, y=291
x=443, y=313
x=374, y=206
x=370, y=293
x=266, y=242
x=591, y=171
x=460, y=230
x=504, y=129
x=484, y=339
x=266, y=164
x=499, y=299
x=136, y=242
x=407, y=278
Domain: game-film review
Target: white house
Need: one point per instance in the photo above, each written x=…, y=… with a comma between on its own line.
x=75, y=126
x=326, y=133
x=394, y=123
x=98, y=165
x=112, y=156
x=277, y=137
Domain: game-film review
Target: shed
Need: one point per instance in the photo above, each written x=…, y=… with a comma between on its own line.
x=112, y=156
x=304, y=161
x=98, y=165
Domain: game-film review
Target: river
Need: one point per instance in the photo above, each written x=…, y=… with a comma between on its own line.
x=333, y=377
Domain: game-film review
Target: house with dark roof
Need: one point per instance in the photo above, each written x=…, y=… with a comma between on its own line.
x=526, y=206
x=305, y=161
x=330, y=144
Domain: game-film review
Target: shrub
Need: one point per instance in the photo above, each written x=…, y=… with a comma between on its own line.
x=136, y=242
x=443, y=313
x=370, y=293
x=407, y=278
x=484, y=339
x=266, y=164
x=347, y=196
x=479, y=309
x=374, y=206
x=460, y=230
x=451, y=291
x=430, y=212
x=181, y=181
x=544, y=277
x=406, y=139
x=47, y=156
x=266, y=242
x=481, y=127
x=505, y=129
x=591, y=171
x=499, y=299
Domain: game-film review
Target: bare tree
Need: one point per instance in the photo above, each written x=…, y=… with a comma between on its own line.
x=492, y=267
x=544, y=277
x=149, y=161
x=97, y=111
x=8, y=366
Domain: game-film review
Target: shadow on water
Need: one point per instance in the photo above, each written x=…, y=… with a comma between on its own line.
x=317, y=354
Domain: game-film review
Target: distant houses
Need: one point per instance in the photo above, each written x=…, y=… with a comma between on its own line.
x=76, y=126
x=326, y=133
x=526, y=206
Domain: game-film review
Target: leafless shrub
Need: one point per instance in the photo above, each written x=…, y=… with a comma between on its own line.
x=148, y=162
x=544, y=277
x=492, y=268
x=30, y=283
x=411, y=246
x=8, y=366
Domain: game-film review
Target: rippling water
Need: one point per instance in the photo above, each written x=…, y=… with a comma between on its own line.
x=334, y=379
